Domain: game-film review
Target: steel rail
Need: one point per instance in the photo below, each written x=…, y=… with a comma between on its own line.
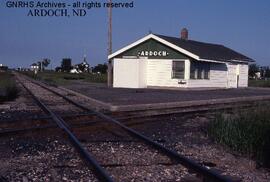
x=209, y=174
x=101, y=173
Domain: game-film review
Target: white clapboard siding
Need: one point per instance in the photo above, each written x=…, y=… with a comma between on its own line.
x=243, y=75
x=218, y=77
x=159, y=73
x=140, y=73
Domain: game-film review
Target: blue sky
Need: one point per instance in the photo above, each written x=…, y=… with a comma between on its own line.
x=243, y=25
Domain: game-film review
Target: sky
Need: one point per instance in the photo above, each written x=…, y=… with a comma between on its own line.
x=243, y=25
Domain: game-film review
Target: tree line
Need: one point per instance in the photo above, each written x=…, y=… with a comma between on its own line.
x=262, y=72
x=66, y=66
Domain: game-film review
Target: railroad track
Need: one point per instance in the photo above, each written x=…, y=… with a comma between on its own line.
x=130, y=118
x=112, y=125
x=36, y=124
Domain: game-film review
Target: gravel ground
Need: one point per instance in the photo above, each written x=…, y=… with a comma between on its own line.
x=122, y=96
x=52, y=159
x=47, y=159
x=22, y=102
x=188, y=137
x=126, y=159
x=133, y=161
x=56, y=103
x=19, y=114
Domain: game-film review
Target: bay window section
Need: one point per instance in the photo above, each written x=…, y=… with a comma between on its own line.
x=199, y=70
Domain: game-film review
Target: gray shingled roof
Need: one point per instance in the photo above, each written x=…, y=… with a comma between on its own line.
x=207, y=50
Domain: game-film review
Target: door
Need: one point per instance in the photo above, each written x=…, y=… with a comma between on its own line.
x=232, y=75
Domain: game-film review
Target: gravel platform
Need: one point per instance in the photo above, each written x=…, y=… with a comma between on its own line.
x=123, y=96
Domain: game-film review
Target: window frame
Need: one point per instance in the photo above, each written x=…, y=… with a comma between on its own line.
x=174, y=70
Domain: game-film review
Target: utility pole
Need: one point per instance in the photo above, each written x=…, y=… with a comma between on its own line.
x=110, y=66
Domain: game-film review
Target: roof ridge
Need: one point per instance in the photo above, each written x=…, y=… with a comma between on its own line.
x=189, y=40
x=193, y=43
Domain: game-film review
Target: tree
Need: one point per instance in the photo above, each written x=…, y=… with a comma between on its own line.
x=100, y=68
x=45, y=62
x=66, y=65
x=253, y=69
x=58, y=69
x=82, y=68
x=267, y=72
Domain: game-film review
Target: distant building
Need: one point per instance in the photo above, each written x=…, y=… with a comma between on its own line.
x=34, y=66
x=83, y=67
x=258, y=75
x=3, y=68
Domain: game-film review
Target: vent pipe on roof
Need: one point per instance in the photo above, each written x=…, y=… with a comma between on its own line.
x=184, y=34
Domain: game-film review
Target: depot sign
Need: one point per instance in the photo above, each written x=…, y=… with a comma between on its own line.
x=153, y=53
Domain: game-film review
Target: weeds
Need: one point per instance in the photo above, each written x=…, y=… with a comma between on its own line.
x=247, y=132
x=259, y=83
x=59, y=78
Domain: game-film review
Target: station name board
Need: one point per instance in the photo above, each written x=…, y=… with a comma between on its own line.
x=153, y=53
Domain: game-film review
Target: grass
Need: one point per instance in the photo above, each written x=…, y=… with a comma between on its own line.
x=8, y=88
x=58, y=78
x=259, y=83
x=246, y=132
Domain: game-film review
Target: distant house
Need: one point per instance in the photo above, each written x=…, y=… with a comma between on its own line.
x=258, y=75
x=3, y=68
x=163, y=61
x=34, y=66
x=83, y=67
x=74, y=70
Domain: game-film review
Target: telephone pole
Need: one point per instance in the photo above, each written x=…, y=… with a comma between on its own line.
x=110, y=66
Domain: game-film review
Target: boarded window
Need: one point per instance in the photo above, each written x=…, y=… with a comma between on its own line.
x=178, y=69
x=199, y=70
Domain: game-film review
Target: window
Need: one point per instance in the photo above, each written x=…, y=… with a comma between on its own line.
x=178, y=69
x=199, y=70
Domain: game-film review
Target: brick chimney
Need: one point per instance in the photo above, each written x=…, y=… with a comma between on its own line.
x=184, y=34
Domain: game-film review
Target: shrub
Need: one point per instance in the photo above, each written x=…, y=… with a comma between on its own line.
x=8, y=88
x=247, y=132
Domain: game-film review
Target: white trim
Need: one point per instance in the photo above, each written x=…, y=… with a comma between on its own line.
x=233, y=61
x=227, y=65
x=129, y=46
x=212, y=61
x=157, y=39
x=238, y=61
x=187, y=69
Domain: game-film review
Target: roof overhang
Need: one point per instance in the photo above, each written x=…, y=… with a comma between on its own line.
x=177, y=48
x=211, y=61
x=239, y=61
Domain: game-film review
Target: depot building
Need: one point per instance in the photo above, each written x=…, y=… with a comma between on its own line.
x=163, y=61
